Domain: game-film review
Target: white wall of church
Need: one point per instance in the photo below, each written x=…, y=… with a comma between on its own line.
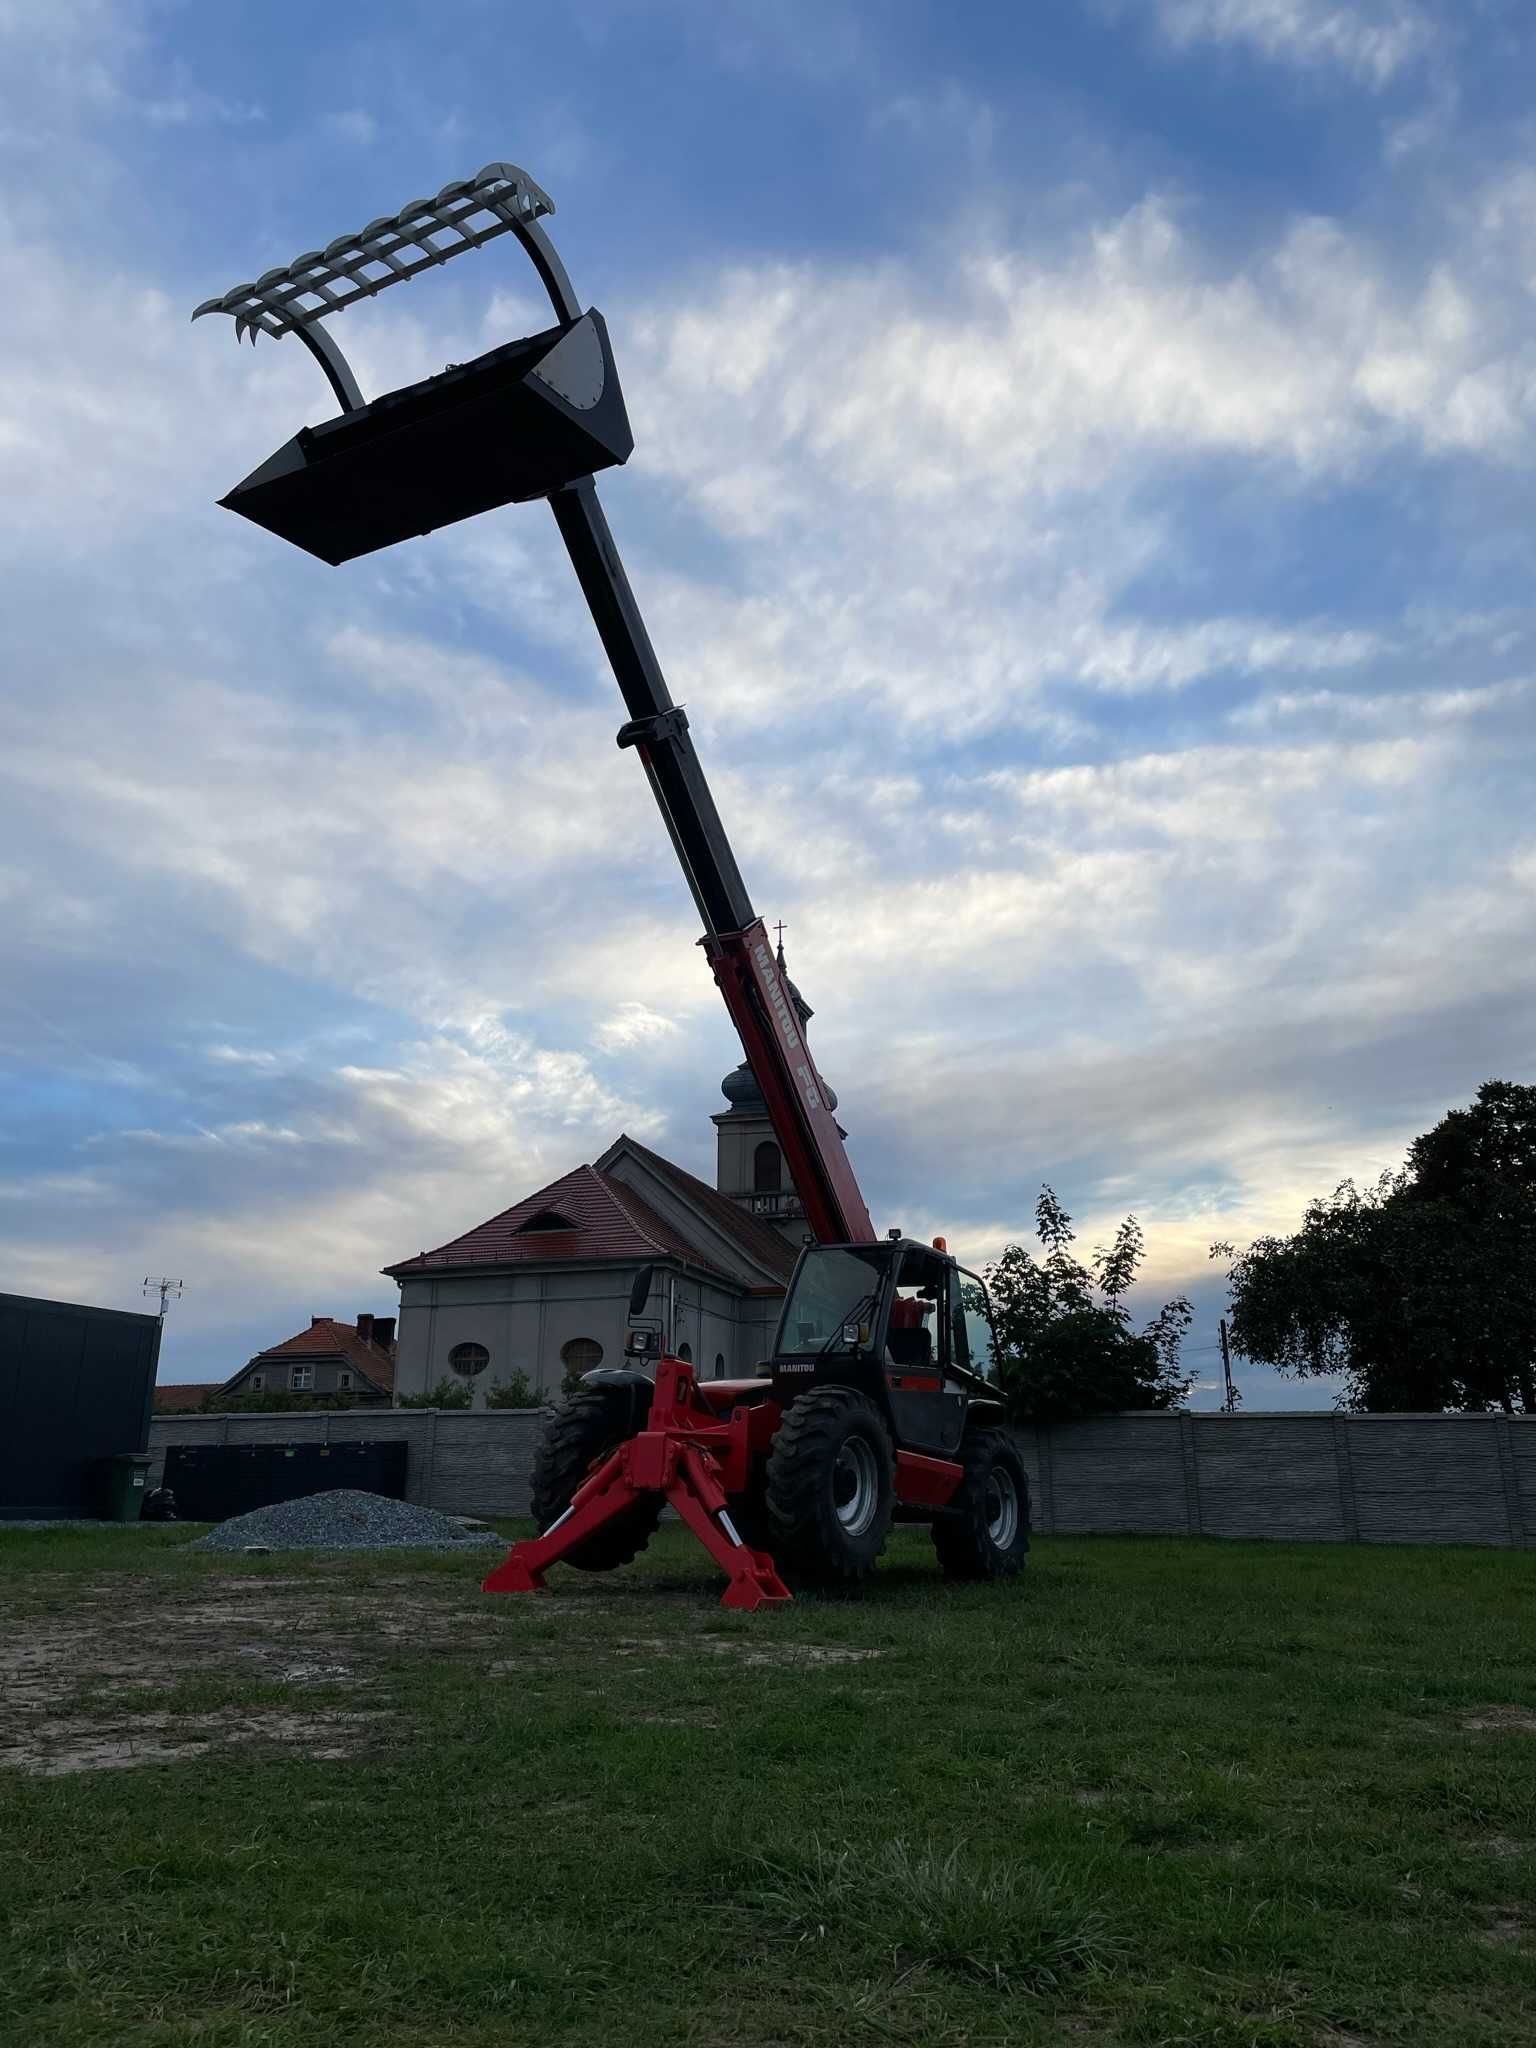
x=525, y=1319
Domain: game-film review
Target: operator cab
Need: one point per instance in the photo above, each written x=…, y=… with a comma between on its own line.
x=901, y=1322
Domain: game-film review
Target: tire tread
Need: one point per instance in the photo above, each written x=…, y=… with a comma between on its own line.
x=582, y=1428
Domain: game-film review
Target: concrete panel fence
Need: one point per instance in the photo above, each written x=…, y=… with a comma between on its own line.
x=1319, y=1478
x=459, y=1462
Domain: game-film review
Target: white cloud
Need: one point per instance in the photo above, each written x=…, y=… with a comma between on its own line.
x=1373, y=39
x=961, y=479
x=630, y=1025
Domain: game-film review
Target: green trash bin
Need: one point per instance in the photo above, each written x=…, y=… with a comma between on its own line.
x=125, y=1478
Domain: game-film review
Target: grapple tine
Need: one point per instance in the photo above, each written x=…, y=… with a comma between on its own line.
x=499, y=199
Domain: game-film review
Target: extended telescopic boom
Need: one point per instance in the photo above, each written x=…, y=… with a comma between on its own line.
x=395, y=467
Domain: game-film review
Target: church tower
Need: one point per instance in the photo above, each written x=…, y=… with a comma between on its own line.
x=751, y=1171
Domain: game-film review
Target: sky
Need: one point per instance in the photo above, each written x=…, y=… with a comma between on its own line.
x=1082, y=494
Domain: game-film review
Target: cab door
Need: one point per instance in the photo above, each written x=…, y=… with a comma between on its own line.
x=920, y=1351
x=974, y=1316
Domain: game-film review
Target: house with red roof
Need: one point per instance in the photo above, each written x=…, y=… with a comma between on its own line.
x=330, y=1357
x=184, y=1397
x=543, y=1287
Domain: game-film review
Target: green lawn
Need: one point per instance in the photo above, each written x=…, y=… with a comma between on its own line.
x=1158, y=1792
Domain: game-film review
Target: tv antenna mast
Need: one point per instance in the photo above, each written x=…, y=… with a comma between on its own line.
x=168, y=1291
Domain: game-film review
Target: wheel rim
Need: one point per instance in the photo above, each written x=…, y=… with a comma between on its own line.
x=1002, y=1507
x=855, y=1485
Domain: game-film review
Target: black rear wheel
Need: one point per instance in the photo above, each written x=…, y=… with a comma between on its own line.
x=985, y=1533
x=830, y=1488
x=585, y=1428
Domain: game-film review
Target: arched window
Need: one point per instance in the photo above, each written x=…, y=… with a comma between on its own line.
x=468, y=1359
x=581, y=1354
x=719, y=1365
x=767, y=1169
x=685, y=1353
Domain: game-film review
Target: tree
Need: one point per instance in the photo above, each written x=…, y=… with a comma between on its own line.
x=1065, y=1342
x=275, y=1401
x=515, y=1391
x=1420, y=1290
x=446, y=1394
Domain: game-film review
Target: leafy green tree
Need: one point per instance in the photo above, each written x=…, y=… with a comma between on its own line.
x=446, y=1394
x=1066, y=1344
x=276, y=1401
x=515, y=1391
x=1420, y=1291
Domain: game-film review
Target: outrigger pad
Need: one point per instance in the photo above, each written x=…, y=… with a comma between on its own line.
x=512, y=425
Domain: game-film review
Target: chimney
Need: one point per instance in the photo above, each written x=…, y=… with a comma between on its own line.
x=365, y=1328
x=318, y=1319
x=384, y=1331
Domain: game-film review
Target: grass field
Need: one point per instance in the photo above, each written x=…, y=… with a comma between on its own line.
x=1158, y=1792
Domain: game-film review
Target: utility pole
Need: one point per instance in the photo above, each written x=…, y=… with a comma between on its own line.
x=1230, y=1403
x=168, y=1291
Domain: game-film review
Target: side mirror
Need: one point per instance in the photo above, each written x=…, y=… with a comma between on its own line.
x=640, y=1292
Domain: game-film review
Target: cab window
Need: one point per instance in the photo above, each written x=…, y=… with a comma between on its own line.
x=917, y=1334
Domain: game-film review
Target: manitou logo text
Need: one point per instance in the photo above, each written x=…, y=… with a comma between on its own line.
x=784, y=1017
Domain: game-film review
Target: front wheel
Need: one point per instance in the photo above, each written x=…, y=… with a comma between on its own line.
x=985, y=1532
x=586, y=1428
x=830, y=1488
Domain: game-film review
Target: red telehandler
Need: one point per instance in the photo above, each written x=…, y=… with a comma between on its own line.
x=877, y=1403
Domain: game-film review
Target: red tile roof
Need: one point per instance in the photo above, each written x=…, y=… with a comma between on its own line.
x=757, y=1240
x=327, y=1338
x=607, y=1221
x=183, y=1396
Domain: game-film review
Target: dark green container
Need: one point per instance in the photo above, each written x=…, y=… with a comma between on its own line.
x=125, y=1478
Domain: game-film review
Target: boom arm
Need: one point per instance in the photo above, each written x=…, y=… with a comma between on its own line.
x=734, y=936
x=316, y=492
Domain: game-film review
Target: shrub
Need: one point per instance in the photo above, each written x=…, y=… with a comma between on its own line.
x=278, y=1401
x=515, y=1391
x=446, y=1394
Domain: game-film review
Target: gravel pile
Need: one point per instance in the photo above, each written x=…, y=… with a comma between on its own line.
x=344, y=1520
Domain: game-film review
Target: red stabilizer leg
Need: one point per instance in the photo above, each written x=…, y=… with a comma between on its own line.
x=664, y=1458
x=698, y=1498
x=607, y=1493
x=514, y=1575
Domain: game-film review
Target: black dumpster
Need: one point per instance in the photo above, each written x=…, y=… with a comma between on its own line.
x=213, y=1482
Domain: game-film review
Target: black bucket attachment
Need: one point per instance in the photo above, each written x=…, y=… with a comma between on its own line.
x=512, y=425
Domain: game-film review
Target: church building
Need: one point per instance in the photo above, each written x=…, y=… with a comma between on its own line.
x=543, y=1288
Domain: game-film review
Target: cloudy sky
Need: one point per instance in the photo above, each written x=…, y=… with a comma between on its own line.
x=1082, y=494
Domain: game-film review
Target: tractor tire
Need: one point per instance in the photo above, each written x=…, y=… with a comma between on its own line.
x=985, y=1533
x=830, y=1488
x=585, y=1428
x=749, y=1512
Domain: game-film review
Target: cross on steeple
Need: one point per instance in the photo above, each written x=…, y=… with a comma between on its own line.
x=779, y=928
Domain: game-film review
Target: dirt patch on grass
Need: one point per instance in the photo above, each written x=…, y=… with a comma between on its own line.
x=744, y=1650
x=79, y=1692
x=1502, y=1720
x=1504, y=1847
x=60, y=1748
x=1508, y=1927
